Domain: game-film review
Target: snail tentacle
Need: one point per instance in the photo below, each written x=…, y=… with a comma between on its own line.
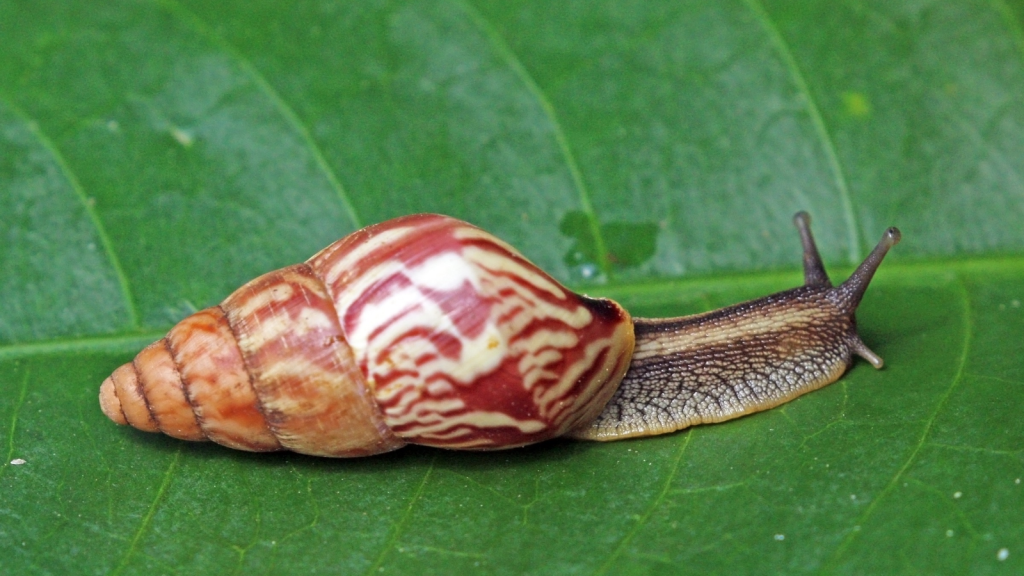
x=745, y=358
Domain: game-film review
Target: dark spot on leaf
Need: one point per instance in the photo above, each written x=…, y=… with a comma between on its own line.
x=628, y=243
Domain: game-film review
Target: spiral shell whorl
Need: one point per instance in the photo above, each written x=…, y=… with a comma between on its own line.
x=310, y=391
x=464, y=342
x=234, y=375
x=192, y=385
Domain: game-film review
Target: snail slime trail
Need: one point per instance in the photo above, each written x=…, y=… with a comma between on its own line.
x=427, y=330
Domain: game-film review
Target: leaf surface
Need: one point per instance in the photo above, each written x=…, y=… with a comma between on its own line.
x=154, y=155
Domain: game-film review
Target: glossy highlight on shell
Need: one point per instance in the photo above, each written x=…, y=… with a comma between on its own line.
x=421, y=330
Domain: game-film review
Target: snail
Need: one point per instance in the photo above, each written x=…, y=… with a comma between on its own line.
x=427, y=330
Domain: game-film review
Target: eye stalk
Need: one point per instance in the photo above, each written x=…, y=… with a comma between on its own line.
x=745, y=358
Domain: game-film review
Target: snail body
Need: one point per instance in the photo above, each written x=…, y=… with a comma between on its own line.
x=427, y=330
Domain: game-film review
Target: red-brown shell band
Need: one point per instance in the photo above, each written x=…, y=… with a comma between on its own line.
x=136, y=394
x=192, y=385
x=122, y=400
x=311, y=392
x=168, y=404
x=466, y=344
x=216, y=382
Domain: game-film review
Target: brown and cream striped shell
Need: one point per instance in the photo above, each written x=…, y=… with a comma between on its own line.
x=422, y=330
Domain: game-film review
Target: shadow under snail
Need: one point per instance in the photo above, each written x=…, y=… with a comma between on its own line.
x=427, y=330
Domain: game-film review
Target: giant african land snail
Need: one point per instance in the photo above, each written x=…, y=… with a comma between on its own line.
x=427, y=330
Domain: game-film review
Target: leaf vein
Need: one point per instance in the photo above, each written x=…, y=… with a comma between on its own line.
x=947, y=502
x=94, y=219
x=814, y=111
x=118, y=343
x=505, y=51
x=968, y=329
x=1016, y=30
x=200, y=26
x=981, y=450
x=996, y=379
x=147, y=519
x=403, y=522
x=14, y=424
x=648, y=291
x=642, y=520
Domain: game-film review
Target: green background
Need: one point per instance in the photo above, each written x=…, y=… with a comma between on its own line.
x=154, y=155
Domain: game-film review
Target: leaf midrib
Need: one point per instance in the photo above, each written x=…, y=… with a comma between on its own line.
x=653, y=291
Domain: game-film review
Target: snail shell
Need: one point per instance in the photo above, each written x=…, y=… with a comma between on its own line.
x=427, y=330
x=422, y=329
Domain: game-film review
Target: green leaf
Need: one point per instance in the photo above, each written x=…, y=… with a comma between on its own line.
x=156, y=154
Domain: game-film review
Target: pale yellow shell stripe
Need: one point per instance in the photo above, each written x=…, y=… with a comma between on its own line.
x=495, y=261
x=551, y=400
x=606, y=378
x=448, y=426
x=352, y=260
x=442, y=420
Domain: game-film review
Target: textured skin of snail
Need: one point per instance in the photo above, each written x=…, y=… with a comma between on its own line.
x=427, y=330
